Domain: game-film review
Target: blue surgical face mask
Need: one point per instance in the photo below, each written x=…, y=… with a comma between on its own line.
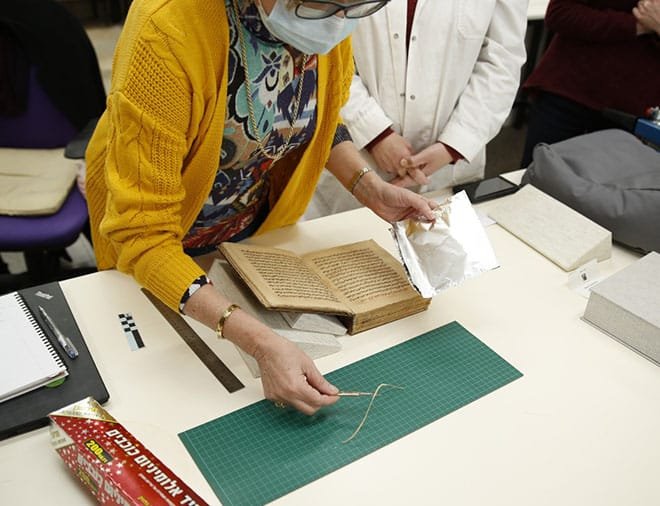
x=309, y=36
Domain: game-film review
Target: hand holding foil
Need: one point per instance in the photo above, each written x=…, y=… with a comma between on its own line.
x=446, y=252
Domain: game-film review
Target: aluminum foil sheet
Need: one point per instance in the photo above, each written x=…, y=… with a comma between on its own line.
x=442, y=254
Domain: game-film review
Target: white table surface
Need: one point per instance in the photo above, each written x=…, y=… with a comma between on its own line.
x=579, y=428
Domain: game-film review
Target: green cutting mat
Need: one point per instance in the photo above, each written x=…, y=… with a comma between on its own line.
x=259, y=453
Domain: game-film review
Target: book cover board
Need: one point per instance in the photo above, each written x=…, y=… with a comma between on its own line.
x=361, y=283
x=558, y=232
x=626, y=306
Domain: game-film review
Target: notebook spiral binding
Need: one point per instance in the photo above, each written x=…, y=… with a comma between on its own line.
x=33, y=321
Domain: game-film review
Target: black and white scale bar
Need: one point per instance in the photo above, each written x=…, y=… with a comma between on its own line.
x=131, y=331
x=197, y=345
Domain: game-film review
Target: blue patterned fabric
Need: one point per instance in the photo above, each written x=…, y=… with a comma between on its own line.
x=238, y=202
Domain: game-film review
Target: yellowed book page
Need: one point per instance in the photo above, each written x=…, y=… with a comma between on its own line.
x=281, y=279
x=365, y=275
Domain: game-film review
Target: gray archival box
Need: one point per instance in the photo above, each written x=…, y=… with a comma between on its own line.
x=627, y=306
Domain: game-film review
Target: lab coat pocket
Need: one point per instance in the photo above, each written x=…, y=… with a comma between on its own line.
x=474, y=18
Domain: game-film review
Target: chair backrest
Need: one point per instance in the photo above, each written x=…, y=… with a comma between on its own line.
x=50, y=88
x=40, y=125
x=53, y=72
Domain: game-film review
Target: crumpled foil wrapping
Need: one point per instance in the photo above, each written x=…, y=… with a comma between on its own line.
x=444, y=253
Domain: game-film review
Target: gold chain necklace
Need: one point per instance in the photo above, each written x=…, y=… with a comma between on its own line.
x=248, y=90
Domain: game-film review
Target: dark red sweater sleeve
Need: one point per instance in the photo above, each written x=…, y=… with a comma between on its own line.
x=581, y=20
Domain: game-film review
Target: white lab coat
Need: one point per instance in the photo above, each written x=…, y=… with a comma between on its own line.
x=456, y=84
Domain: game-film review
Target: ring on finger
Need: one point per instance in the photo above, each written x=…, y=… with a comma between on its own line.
x=280, y=404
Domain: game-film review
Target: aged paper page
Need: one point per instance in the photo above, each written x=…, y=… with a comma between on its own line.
x=281, y=279
x=366, y=275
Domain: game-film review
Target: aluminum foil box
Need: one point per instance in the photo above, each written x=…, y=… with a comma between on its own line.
x=111, y=462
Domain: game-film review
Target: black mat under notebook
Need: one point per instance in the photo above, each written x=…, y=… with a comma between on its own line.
x=30, y=411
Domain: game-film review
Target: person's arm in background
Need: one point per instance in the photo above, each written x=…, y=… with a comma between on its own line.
x=386, y=200
x=577, y=20
x=486, y=101
x=366, y=120
x=647, y=14
x=416, y=169
x=388, y=150
x=371, y=129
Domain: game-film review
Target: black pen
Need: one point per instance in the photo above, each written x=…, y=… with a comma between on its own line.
x=64, y=341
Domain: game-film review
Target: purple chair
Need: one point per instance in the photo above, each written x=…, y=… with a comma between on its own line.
x=50, y=89
x=41, y=238
x=41, y=126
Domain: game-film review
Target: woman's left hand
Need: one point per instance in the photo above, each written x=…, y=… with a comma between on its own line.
x=647, y=13
x=392, y=203
x=421, y=165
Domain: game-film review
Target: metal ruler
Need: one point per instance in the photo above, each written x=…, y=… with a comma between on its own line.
x=197, y=345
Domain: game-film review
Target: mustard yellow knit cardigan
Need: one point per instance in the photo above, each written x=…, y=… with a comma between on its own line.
x=155, y=151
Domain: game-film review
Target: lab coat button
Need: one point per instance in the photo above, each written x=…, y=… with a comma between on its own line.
x=413, y=38
x=396, y=35
x=412, y=97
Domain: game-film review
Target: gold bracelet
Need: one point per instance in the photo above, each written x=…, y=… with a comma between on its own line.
x=356, y=178
x=223, y=319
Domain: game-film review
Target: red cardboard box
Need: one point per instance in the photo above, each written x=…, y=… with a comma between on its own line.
x=111, y=462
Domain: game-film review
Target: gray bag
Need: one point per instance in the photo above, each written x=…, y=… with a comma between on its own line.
x=610, y=177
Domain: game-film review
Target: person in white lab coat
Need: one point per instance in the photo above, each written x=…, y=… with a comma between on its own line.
x=435, y=80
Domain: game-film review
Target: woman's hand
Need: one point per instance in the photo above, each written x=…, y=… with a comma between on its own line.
x=418, y=167
x=392, y=203
x=287, y=374
x=647, y=13
x=389, y=152
x=290, y=377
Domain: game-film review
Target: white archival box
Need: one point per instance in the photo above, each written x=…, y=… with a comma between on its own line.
x=558, y=232
x=627, y=306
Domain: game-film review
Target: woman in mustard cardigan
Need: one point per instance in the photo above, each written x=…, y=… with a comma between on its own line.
x=191, y=152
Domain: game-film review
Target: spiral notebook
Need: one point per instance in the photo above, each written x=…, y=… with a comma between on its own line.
x=30, y=410
x=27, y=357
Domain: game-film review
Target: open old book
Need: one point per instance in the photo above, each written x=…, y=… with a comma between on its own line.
x=360, y=282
